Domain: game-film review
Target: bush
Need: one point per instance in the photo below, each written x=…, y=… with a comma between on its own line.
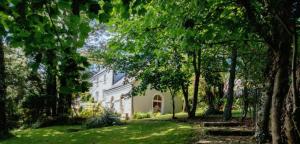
x=107, y=118
x=91, y=110
x=140, y=115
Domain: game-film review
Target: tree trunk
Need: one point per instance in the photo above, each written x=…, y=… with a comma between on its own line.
x=296, y=107
x=221, y=95
x=228, y=106
x=276, y=32
x=61, y=98
x=210, y=99
x=3, y=122
x=185, y=91
x=262, y=125
x=197, y=66
x=173, y=93
x=295, y=85
x=254, y=115
x=173, y=108
x=132, y=106
x=281, y=85
x=246, y=102
x=65, y=98
x=51, y=84
x=290, y=131
x=195, y=96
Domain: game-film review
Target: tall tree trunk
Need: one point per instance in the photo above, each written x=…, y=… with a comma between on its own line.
x=185, y=91
x=262, y=125
x=196, y=60
x=228, y=106
x=290, y=131
x=51, y=84
x=220, y=96
x=295, y=85
x=63, y=106
x=245, y=101
x=197, y=67
x=132, y=106
x=296, y=107
x=281, y=85
x=254, y=114
x=3, y=122
x=195, y=96
x=210, y=99
x=173, y=93
x=276, y=32
x=173, y=107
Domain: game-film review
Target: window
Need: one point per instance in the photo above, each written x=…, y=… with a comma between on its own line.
x=157, y=103
x=117, y=76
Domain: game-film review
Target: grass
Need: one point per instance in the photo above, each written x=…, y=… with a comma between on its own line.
x=135, y=132
x=145, y=131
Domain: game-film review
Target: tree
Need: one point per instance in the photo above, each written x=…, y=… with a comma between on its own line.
x=5, y=18
x=164, y=76
x=50, y=33
x=3, y=123
x=229, y=102
x=193, y=28
x=275, y=26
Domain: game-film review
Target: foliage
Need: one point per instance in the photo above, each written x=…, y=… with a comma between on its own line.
x=167, y=45
x=50, y=33
x=140, y=115
x=91, y=110
x=86, y=97
x=107, y=118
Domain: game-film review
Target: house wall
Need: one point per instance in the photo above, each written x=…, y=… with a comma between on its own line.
x=144, y=103
x=103, y=85
x=116, y=93
x=101, y=81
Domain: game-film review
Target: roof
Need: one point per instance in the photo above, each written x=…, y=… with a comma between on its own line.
x=99, y=73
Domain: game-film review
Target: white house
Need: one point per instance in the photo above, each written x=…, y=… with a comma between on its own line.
x=113, y=91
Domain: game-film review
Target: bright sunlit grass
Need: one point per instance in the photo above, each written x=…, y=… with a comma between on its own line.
x=135, y=132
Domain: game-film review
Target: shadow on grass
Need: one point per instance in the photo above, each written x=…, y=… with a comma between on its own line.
x=6, y=137
x=146, y=132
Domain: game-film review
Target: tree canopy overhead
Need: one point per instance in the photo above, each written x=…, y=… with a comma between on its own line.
x=195, y=48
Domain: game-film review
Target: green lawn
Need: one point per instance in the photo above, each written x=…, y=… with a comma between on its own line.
x=135, y=132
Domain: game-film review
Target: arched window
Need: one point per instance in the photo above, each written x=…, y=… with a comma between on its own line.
x=157, y=103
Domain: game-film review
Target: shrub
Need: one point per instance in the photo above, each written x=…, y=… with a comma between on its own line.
x=107, y=118
x=91, y=110
x=140, y=115
x=157, y=114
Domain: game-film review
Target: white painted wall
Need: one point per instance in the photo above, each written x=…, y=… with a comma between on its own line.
x=103, y=85
x=100, y=82
x=144, y=103
x=116, y=93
